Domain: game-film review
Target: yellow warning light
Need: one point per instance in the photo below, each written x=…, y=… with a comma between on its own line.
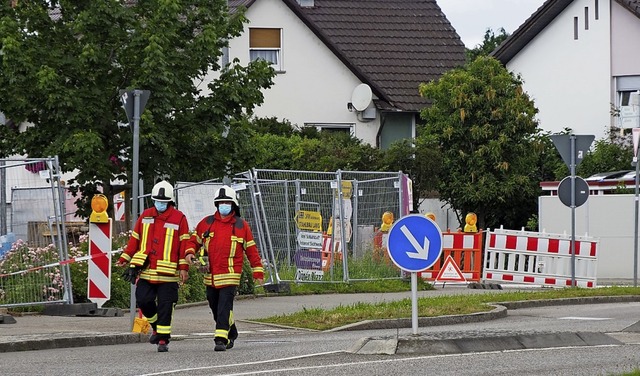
x=99, y=205
x=387, y=220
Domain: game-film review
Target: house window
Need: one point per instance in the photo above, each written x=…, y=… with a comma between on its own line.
x=596, y=10
x=266, y=44
x=575, y=28
x=586, y=18
x=629, y=115
x=334, y=127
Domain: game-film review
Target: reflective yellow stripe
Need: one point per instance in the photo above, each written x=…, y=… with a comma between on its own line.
x=168, y=240
x=222, y=333
x=152, y=319
x=125, y=256
x=139, y=258
x=249, y=244
x=232, y=252
x=152, y=276
x=258, y=269
x=145, y=236
x=185, y=236
x=226, y=279
x=163, y=329
x=135, y=235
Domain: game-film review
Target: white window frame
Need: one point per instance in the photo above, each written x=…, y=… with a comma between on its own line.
x=347, y=127
x=277, y=64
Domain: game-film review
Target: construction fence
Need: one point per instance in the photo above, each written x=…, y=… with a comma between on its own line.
x=307, y=228
x=34, y=233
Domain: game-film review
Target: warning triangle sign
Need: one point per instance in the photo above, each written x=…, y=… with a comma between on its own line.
x=450, y=271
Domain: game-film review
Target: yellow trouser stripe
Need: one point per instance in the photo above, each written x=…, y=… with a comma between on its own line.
x=152, y=319
x=163, y=329
x=222, y=333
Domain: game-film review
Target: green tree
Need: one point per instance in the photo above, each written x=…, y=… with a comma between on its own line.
x=482, y=123
x=490, y=42
x=63, y=64
x=612, y=153
x=420, y=162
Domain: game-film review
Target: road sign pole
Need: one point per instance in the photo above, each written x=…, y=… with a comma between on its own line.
x=414, y=302
x=414, y=244
x=635, y=227
x=573, y=210
x=135, y=177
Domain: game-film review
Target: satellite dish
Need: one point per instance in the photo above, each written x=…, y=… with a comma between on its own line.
x=361, y=97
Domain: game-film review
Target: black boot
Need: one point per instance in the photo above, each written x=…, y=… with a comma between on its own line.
x=221, y=344
x=233, y=335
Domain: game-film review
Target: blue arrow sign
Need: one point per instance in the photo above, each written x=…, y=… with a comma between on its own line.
x=414, y=243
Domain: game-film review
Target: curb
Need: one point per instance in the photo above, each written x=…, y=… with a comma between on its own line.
x=72, y=340
x=497, y=312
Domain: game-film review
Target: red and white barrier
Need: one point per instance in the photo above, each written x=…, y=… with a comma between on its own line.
x=539, y=258
x=99, y=279
x=466, y=251
x=118, y=206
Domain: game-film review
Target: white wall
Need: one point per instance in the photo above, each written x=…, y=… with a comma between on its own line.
x=315, y=86
x=625, y=48
x=570, y=80
x=607, y=217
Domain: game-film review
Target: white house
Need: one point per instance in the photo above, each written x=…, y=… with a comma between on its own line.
x=578, y=59
x=351, y=66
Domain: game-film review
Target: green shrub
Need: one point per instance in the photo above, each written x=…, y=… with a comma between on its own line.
x=246, y=279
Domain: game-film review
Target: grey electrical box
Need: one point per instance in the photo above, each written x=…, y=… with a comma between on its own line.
x=369, y=113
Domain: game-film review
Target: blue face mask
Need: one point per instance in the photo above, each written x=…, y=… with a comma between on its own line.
x=224, y=209
x=160, y=206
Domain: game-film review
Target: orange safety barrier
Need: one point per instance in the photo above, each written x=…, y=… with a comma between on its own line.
x=380, y=252
x=466, y=250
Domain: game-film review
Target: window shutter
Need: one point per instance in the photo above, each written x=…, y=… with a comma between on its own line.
x=264, y=38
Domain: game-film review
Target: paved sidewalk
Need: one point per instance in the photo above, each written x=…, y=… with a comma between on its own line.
x=36, y=332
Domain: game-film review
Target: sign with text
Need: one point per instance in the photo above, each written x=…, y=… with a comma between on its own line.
x=309, y=220
x=310, y=239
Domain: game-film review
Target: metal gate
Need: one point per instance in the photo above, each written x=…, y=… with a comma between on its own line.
x=33, y=234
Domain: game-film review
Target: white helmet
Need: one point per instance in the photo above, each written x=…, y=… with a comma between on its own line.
x=225, y=193
x=162, y=191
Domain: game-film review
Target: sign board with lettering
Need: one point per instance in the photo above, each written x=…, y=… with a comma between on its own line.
x=310, y=239
x=309, y=220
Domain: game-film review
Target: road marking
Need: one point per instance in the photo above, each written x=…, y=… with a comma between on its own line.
x=584, y=318
x=334, y=365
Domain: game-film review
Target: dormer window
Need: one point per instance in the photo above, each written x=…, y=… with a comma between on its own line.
x=266, y=44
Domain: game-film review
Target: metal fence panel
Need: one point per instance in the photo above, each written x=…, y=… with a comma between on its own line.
x=305, y=227
x=33, y=234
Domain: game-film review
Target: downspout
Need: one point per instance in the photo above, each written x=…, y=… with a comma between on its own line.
x=383, y=120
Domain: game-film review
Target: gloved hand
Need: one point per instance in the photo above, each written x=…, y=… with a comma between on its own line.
x=131, y=274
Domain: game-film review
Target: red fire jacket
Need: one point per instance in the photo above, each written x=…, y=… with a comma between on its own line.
x=158, y=242
x=225, y=241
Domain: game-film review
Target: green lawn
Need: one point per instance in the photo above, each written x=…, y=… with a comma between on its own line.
x=321, y=319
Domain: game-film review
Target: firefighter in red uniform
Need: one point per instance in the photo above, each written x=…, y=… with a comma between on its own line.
x=158, y=261
x=224, y=238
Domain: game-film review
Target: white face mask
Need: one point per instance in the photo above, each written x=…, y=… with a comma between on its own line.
x=160, y=206
x=224, y=209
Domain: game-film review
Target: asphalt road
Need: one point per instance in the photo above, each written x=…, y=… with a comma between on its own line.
x=264, y=350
